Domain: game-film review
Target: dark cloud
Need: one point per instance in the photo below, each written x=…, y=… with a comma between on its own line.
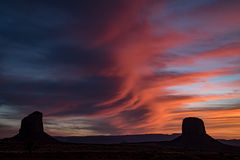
x=136, y=116
x=173, y=98
x=74, y=93
x=79, y=62
x=100, y=126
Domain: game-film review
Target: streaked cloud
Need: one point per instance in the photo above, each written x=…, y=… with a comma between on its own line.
x=122, y=67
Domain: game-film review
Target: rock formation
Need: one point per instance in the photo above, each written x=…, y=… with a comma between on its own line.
x=193, y=126
x=194, y=135
x=32, y=130
x=32, y=124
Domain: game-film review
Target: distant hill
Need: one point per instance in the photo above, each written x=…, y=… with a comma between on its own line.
x=232, y=142
x=118, y=139
x=131, y=139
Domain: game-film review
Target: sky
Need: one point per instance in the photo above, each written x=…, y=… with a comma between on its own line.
x=120, y=67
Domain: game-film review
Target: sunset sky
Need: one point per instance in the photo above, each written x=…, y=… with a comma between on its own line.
x=113, y=67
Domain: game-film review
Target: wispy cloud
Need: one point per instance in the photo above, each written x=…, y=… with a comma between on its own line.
x=128, y=66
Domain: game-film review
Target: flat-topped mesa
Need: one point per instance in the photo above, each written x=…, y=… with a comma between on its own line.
x=32, y=124
x=194, y=135
x=193, y=126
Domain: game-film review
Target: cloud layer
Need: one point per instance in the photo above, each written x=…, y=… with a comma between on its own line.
x=120, y=67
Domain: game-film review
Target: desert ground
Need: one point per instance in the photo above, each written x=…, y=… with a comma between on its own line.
x=138, y=151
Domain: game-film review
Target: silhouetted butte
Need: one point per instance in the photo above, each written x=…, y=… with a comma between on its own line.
x=32, y=130
x=194, y=136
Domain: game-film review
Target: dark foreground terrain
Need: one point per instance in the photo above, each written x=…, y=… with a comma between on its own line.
x=140, y=151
